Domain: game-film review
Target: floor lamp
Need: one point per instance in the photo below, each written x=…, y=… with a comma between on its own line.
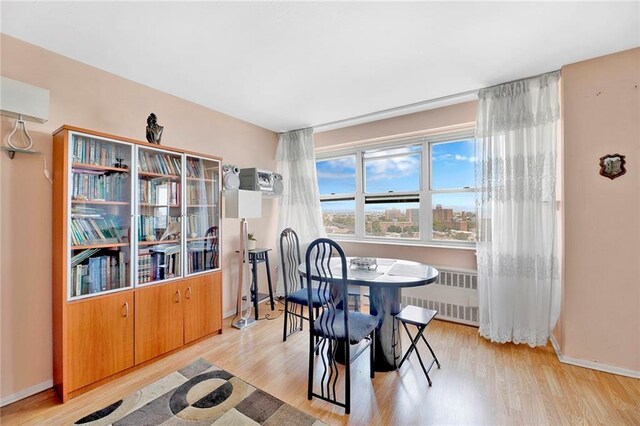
x=241, y=204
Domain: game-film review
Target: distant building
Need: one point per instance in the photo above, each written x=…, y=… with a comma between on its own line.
x=442, y=215
x=393, y=214
x=413, y=216
x=461, y=225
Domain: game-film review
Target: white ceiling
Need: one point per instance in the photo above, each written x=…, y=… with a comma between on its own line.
x=287, y=65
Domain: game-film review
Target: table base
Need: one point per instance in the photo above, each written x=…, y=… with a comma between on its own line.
x=384, y=303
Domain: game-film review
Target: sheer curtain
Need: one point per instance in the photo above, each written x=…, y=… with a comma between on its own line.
x=517, y=248
x=300, y=200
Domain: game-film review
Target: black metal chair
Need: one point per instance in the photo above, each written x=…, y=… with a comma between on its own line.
x=334, y=327
x=295, y=294
x=420, y=317
x=211, y=242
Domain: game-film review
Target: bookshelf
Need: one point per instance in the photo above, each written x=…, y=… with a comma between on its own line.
x=136, y=244
x=202, y=200
x=160, y=250
x=100, y=206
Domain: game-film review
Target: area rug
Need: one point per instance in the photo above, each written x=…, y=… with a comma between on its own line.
x=200, y=394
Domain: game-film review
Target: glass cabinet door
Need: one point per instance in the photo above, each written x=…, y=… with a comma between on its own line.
x=202, y=199
x=159, y=227
x=100, y=220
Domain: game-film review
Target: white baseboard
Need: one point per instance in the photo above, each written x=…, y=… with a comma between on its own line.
x=229, y=314
x=26, y=392
x=592, y=364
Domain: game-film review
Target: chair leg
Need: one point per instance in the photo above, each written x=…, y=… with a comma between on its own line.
x=431, y=350
x=414, y=343
x=411, y=348
x=301, y=314
x=347, y=370
x=286, y=314
x=266, y=261
x=426, y=373
x=372, y=351
x=310, y=382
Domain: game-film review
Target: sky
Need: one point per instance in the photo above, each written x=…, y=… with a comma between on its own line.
x=452, y=167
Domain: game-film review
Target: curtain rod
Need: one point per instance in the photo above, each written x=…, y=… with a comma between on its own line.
x=518, y=79
x=383, y=112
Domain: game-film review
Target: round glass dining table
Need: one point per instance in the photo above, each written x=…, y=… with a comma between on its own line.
x=385, y=284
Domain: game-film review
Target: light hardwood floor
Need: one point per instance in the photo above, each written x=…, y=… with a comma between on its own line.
x=479, y=383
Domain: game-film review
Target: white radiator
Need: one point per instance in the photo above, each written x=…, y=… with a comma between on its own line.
x=454, y=295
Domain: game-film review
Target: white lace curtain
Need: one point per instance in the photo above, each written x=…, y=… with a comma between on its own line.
x=518, y=262
x=300, y=200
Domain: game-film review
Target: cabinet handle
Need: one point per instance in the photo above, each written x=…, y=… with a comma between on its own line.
x=126, y=309
x=187, y=294
x=178, y=296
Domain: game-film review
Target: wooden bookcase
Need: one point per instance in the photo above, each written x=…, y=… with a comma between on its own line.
x=136, y=254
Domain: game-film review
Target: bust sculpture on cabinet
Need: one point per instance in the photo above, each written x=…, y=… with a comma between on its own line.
x=154, y=130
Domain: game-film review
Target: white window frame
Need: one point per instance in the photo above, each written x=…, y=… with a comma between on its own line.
x=346, y=196
x=425, y=192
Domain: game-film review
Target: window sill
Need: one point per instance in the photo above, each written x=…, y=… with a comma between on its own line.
x=406, y=243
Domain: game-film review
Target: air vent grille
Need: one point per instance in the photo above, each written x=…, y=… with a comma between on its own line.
x=458, y=279
x=450, y=311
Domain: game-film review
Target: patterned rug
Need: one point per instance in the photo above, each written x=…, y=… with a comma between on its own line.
x=200, y=394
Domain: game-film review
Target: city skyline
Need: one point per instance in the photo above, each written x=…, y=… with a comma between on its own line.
x=405, y=223
x=383, y=208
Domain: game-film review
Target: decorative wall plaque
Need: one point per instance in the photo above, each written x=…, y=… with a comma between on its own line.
x=612, y=166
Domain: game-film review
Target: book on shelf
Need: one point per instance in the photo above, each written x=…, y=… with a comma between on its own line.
x=90, y=226
x=166, y=248
x=159, y=192
x=200, y=256
x=159, y=263
x=197, y=193
x=144, y=265
x=155, y=226
x=164, y=164
x=89, y=185
x=102, y=153
x=195, y=169
x=167, y=260
x=82, y=256
x=99, y=274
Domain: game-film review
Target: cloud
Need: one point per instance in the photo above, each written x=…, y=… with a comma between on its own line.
x=465, y=158
x=393, y=168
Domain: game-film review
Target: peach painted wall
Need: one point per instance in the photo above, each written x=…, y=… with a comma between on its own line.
x=448, y=118
x=87, y=97
x=601, y=312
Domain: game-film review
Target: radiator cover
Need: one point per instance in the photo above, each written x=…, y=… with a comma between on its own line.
x=454, y=295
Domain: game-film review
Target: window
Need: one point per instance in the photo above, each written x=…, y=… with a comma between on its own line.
x=453, y=190
x=392, y=192
x=337, y=184
x=422, y=190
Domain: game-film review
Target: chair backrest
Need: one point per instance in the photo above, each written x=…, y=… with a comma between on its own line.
x=290, y=259
x=212, y=236
x=323, y=259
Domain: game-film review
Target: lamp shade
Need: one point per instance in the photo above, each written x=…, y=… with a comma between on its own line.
x=22, y=99
x=242, y=204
